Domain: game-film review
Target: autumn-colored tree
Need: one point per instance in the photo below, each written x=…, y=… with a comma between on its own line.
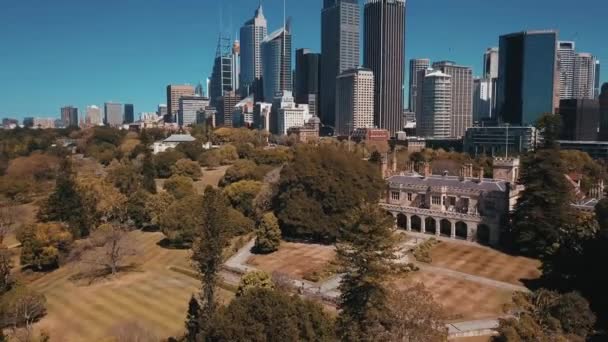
x=181, y=220
x=124, y=176
x=187, y=168
x=254, y=280
x=268, y=235
x=43, y=244
x=148, y=173
x=157, y=205
x=179, y=186
x=242, y=194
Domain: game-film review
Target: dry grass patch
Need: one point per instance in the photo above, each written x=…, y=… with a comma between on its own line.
x=485, y=262
x=473, y=339
x=297, y=260
x=155, y=297
x=211, y=177
x=462, y=300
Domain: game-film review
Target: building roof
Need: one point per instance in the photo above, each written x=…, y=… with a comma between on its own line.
x=180, y=138
x=450, y=182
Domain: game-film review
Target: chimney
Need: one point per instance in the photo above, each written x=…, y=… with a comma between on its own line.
x=426, y=169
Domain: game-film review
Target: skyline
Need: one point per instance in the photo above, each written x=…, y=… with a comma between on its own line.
x=71, y=53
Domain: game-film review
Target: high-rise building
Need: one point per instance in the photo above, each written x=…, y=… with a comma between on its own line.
x=261, y=116
x=566, y=52
x=604, y=113
x=354, y=101
x=597, y=78
x=527, y=78
x=482, y=99
x=583, y=85
x=226, y=108
x=129, y=113
x=222, y=76
x=436, y=98
x=415, y=66
x=174, y=93
x=340, y=23
x=44, y=123
x=162, y=110
x=189, y=107
x=236, y=65
x=462, y=95
x=69, y=116
x=252, y=34
x=93, y=116
x=276, y=63
x=113, y=114
x=307, y=79
x=384, y=49
x=490, y=63
x=580, y=119
x=289, y=114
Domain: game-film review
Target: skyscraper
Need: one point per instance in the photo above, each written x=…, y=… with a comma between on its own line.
x=276, y=63
x=222, y=76
x=93, y=116
x=384, y=45
x=597, y=78
x=583, y=85
x=527, y=82
x=604, y=113
x=252, y=34
x=566, y=52
x=482, y=99
x=174, y=93
x=189, y=107
x=226, y=108
x=415, y=66
x=354, y=101
x=490, y=63
x=436, y=99
x=113, y=114
x=129, y=113
x=236, y=65
x=307, y=79
x=340, y=22
x=69, y=116
x=462, y=95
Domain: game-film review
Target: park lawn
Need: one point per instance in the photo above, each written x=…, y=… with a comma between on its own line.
x=462, y=300
x=485, y=262
x=211, y=177
x=296, y=260
x=473, y=339
x=152, y=296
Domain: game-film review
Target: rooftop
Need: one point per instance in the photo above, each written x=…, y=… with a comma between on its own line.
x=180, y=138
x=450, y=181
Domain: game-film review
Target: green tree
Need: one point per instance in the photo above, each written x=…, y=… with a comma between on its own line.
x=265, y=315
x=268, y=235
x=124, y=176
x=319, y=188
x=43, y=245
x=181, y=220
x=242, y=195
x=149, y=173
x=136, y=208
x=65, y=204
x=6, y=267
x=187, y=168
x=254, y=280
x=210, y=159
x=192, y=150
x=366, y=250
x=544, y=207
x=550, y=126
x=237, y=224
x=244, y=170
x=179, y=186
x=208, y=248
x=193, y=319
x=157, y=205
x=164, y=161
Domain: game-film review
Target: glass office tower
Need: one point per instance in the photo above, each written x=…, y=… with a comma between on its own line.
x=527, y=82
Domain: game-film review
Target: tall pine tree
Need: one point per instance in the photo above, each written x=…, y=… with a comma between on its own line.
x=366, y=248
x=149, y=173
x=193, y=319
x=66, y=204
x=207, y=251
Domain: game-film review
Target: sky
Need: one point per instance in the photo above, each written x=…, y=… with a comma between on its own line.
x=83, y=52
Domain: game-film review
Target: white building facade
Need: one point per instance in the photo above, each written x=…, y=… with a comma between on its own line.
x=354, y=101
x=436, y=118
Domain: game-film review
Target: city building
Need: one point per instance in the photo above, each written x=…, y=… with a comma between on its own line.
x=527, y=82
x=482, y=99
x=580, y=119
x=171, y=142
x=43, y=123
x=384, y=49
x=28, y=122
x=595, y=149
x=603, y=97
x=189, y=107
x=162, y=110
x=370, y=134
x=462, y=95
x=460, y=207
x=308, y=68
x=129, y=113
x=308, y=133
x=566, y=52
x=222, y=75
x=236, y=65
x=490, y=63
x=340, y=26
x=354, y=101
x=69, y=116
x=174, y=93
x=499, y=141
x=597, y=78
x=261, y=116
x=243, y=112
x=287, y=114
x=252, y=34
x=113, y=114
x=416, y=65
x=93, y=116
x=583, y=85
x=276, y=63
x=226, y=106
x=435, y=119
x=9, y=123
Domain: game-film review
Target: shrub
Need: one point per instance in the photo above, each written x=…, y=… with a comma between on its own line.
x=179, y=186
x=187, y=168
x=268, y=235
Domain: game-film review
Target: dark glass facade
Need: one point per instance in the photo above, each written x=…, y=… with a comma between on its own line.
x=527, y=86
x=604, y=113
x=307, y=74
x=129, y=113
x=580, y=119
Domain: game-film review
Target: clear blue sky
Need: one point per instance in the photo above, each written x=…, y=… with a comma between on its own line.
x=81, y=52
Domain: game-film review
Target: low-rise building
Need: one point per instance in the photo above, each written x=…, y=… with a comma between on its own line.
x=172, y=142
x=495, y=140
x=457, y=207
